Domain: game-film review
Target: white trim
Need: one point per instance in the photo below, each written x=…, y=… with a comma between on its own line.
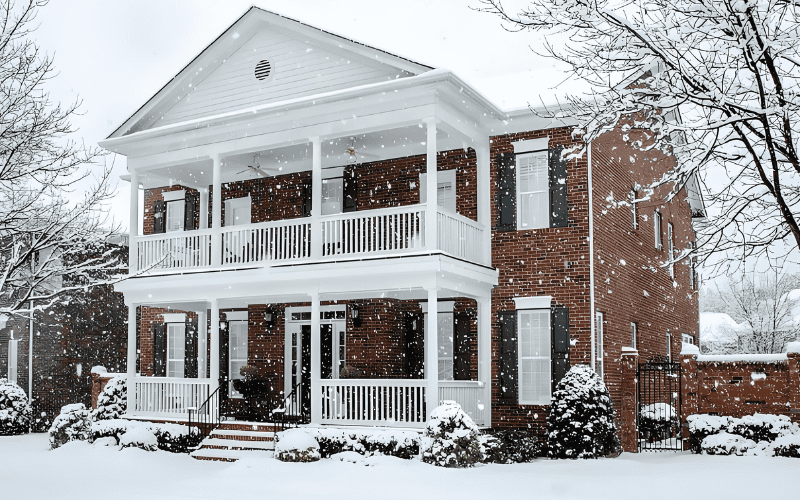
x=174, y=317
x=531, y=145
x=332, y=172
x=547, y=355
x=591, y=249
x=541, y=302
x=236, y=315
x=545, y=216
x=442, y=177
x=233, y=203
x=441, y=307
x=174, y=195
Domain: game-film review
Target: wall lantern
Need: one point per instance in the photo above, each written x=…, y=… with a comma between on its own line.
x=269, y=318
x=355, y=315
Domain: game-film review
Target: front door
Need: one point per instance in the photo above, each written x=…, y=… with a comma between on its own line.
x=326, y=361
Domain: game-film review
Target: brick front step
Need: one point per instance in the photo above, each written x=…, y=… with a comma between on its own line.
x=223, y=455
x=246, y=426
x=229, y=445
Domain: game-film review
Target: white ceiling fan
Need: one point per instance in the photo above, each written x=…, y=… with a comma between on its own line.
x=256, y=167
x=354, y=155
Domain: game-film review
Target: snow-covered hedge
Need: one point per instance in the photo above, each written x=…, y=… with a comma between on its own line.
x=510, y=446
x=113, y=401
x=726, y=443
x=139, y=437
x=397, y=443
x=296, y=445
x=15, y=411
x=71, y=424
x=658, y=421
x=451, y=438
x=581, y=420
x=758, y=434
x=170, y=437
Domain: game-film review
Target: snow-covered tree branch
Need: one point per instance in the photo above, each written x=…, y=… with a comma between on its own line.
x=716, y=83
x=52, y=238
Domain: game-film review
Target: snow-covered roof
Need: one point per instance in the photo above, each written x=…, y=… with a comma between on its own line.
x=718, y=327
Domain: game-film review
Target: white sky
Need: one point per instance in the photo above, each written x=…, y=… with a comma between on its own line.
x=116, y=55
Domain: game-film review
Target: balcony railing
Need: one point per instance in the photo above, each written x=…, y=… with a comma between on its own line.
x=390, y=402
x=167, y=396
x=380, y=232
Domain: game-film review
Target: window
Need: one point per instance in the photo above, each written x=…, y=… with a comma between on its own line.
x=237, y=211
x=657, y=228
x=533, y=191
x=445, y=192
x=445, y=334
x=237, y=345
x=176, y=345
x=534, y=356
x=12, y=360
x=669, y=347
x=687, y=339
x=597, y=359
x=332, y=196
x=175, y=215
x=635, y=221
x=634, y=334
x=342, y=349
x=670, y=249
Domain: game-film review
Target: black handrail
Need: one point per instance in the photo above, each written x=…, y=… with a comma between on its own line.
x=292, y=406
x=208, y=414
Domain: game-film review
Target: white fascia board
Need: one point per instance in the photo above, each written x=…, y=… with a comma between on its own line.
x=174, y=195
x=174, y=317
x=442, y=306
x=236, y=315
x=531, y=145
x=540, y=302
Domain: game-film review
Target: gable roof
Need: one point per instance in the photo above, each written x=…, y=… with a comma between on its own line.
x=237, y=36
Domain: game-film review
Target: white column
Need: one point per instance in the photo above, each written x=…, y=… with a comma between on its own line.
x=202, y=343
x=133, y=225
x=431, y=222
x=316, y=197
x=485, y=355
x=203, y=209
x=432, y=351
x=484, y=194
x=131, y=358
x=216, y=213
x=214, y=372
x=316, y=400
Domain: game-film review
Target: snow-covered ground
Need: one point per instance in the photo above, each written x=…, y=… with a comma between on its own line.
x=83, y=471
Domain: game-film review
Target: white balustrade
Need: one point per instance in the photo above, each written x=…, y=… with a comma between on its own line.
x=267, y=241
x=398, y=229
x=184, y=249
x=168, y=397
x=467, y=393
x=386, y=402
x=460, y=236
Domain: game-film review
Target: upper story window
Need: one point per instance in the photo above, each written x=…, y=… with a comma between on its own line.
x=175, y=216
x=635, y=220
x=533, y=191
x=175, y=212
x=657, y=229
x=445, y=189
x=237, y=211
x=332, y=196
x=670, y=248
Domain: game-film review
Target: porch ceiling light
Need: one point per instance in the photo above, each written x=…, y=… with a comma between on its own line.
x=355, y=316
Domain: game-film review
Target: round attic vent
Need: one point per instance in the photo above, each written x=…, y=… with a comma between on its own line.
x=263, y=69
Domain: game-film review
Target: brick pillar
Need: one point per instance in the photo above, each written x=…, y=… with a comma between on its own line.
x=628, y=432
x=793, y=353
x=96, y=390
x=689, y=388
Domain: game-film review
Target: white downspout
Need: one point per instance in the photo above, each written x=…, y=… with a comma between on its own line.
x=30, y=359
x=591, y=258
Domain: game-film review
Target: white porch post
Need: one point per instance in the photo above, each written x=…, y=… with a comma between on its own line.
x=202, y=343
x=316, y=409
x=131, y=358
x=485, y=354
x=484, y=194
x=204, y=208
x=431, y=223
x=216, y=214
x=432, y=350
x=133, y=225
x=214, y=372
x=316, y=198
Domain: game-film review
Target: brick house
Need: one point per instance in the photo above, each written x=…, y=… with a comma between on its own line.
x=287, y=176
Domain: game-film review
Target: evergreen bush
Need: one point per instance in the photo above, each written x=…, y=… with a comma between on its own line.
x=72, y=424
x=451, y=438
x=15, y=411
x=512, y=446
x=581, y=420
x=113, y=401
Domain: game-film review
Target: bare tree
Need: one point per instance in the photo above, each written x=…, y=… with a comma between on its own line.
x=51, y=237
x=715, y=82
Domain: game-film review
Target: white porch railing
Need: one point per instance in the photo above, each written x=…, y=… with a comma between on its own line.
x=275, y=241
x=168, y=397
x=175, y=250
x=386, y=402
x=460, y=236
x=374, y=231
x=467, y=393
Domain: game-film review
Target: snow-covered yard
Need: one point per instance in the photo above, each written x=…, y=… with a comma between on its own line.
x=79, y=470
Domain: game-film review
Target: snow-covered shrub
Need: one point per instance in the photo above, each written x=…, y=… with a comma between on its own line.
x=72, y=424
x=15, y=411
x=396, y=443
x=703, y=425
x=113, y=401
x=726, y=443
x=451, y=438
x=658, y=421
x=787, y=446
x=296, y=445
x=170, y=437
x=509, y=446
x=581, y=420
x=139, y=437
x=761, y=427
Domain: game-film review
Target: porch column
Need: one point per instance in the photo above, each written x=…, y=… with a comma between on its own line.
x=203, y=209
x=133, y=225
x=485, y=354
x=131, y=358
x=316, y=409
x=214, y=372
x=482, y=157
x=202, y=343
x=431, y=223
x=432, y=350
x=216, y=214
x=316, y=198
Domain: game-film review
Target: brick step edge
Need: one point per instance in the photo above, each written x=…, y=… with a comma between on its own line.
x=238, y=437
x=214, y=459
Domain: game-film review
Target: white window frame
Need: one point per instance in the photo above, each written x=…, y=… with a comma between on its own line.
x=635, y=220
x=634, y=334
x=669, y=346
x=12, y=359
x=545, y=217
x=671, y=249
x=546, y=382
x=172, y=207
x=234, y=374
x=233, y=204
x=657, y=229
x=444, y=179
x=687, y=339
x=171, y=330
x=597, y=344
x=328, y=202
x=293, y=340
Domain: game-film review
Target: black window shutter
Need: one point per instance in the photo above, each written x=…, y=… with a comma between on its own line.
x=350, y=189
x=190, y=202
x=506, y=192
x=414, y=346
x=508, y=357
x=559, y=326
x=461, y=343
x=190, y=349
x=223, y=358
x=307, y=199
x=557, y=173
x=160, y=217
x=326, y=350
x=159, y=350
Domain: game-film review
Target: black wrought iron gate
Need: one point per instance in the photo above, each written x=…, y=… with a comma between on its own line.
x=659, y=416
